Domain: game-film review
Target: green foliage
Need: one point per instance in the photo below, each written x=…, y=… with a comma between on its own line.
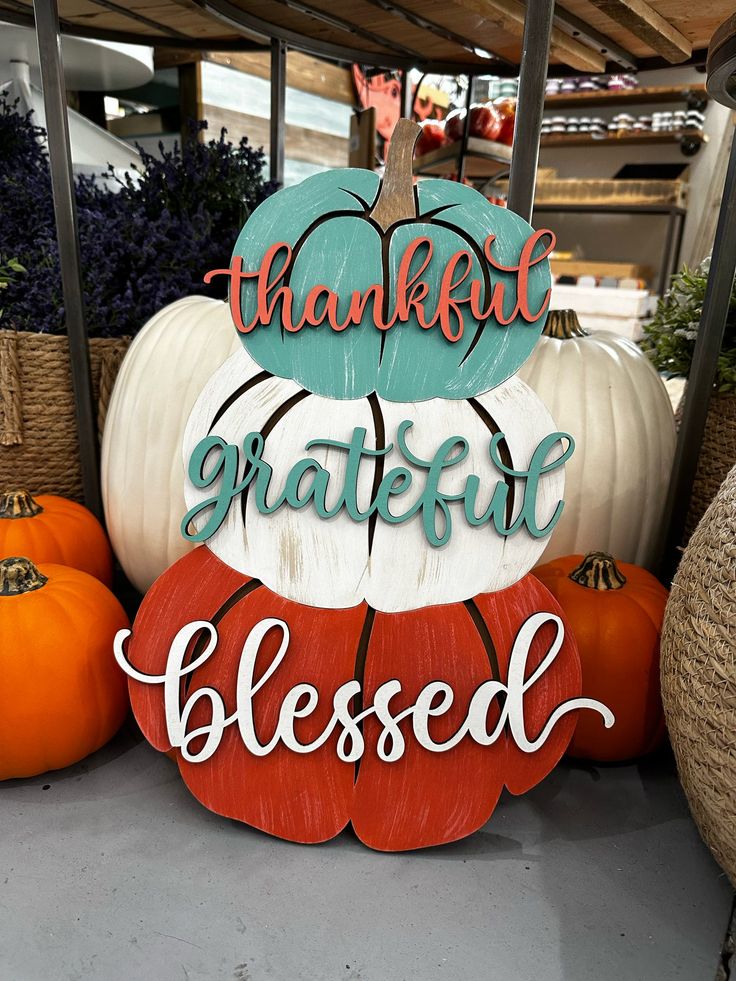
x=670, y=337
x=9, y=270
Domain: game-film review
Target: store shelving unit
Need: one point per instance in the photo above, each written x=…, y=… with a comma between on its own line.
x=478, y=158
x=692, y=138
x=694, y=96
x=670, y=255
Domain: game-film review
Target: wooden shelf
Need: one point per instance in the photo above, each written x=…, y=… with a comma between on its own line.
x=587, y=267
x=484, y=158
x=613, y=97
x=636, y=137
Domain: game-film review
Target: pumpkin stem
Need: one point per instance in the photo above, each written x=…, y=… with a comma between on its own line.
x=396, y=200
x=598, y=571
x=18, y=576
x=562, y=325
x=18, y=504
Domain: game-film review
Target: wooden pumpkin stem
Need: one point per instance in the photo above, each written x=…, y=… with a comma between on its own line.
x=563, y=324
x=598, y=571
x=18, y=576
x=18, y=504
x=396, y=200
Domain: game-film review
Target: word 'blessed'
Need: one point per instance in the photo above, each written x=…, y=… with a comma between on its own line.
x=435, y=699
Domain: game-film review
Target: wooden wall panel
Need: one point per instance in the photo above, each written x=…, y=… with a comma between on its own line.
x=301, y=143
x=303, y=72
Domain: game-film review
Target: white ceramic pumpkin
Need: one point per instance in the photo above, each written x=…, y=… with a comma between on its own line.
x=601, y=388
x=340, y=562
x=163, y=372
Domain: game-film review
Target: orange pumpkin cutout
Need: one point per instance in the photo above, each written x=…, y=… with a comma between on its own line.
x=420, y=800
x=53, y=529
x=61, y=695
x=615, y=612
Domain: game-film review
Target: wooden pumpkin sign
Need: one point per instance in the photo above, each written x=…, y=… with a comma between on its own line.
x=350, y=285
x=357, y=638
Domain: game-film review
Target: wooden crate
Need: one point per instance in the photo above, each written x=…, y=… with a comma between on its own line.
x=612, y=192
x=565, y=191
x=585, y=267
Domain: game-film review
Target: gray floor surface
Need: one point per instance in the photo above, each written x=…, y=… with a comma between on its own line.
x=111, y=870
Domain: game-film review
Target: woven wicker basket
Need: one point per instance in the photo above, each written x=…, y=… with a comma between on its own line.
x=39, y=448
x=717, y=456
x=698, y=659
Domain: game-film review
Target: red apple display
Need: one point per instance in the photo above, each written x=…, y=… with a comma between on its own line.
x=485, y=123
x=454, y=125
x=431, y=138
x=506, y=112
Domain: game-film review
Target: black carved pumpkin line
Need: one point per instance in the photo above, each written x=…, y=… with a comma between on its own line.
x=201, y=641
x=493, y=428
x=385, y=236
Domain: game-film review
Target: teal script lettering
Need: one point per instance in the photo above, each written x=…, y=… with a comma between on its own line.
x=307, y=483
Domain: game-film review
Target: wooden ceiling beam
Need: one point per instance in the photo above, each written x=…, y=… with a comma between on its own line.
x=509, y=15
x=643, y=21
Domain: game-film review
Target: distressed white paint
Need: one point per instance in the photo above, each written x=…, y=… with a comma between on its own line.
x=326, y=563
x=162, y=374
x=604, y=391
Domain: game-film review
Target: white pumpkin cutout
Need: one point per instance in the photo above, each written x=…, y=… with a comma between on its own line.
x=339, y=562
x=603, y=391
x=163, y=372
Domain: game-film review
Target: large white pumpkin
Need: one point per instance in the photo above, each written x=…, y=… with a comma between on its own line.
x=600, y=388
x=339, y=562
x=165, y=369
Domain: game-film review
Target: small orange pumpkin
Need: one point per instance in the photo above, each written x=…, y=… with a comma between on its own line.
x=615, y=612
x=53, y=529
x=62, y=695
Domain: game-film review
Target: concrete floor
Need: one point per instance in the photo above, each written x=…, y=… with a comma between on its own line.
x=110, y=870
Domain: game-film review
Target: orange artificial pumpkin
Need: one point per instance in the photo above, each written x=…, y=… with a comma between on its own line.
x=615, y=612
x=52, y=529
x=62, y=695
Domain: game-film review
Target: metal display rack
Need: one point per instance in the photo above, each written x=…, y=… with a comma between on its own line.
x=467, y=37
x=673, y=236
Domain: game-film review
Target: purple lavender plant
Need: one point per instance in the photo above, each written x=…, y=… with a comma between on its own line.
x=142, y=247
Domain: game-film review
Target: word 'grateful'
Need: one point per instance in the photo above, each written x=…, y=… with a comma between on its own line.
x=307, y=483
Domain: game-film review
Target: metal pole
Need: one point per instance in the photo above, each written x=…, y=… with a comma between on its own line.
x=665, y=269
x=703, y=370
x=466, y=130
x=278, y=110
x=407, y=95
x=67, y=233
x=532, y=78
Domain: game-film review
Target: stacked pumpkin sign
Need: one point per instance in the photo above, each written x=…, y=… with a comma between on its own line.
x=357, y=638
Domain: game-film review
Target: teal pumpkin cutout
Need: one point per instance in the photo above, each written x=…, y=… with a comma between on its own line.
x=347, y=233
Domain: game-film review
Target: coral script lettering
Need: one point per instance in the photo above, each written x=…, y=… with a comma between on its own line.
x=307, y=483
x=434, y=699
x=485, y=301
